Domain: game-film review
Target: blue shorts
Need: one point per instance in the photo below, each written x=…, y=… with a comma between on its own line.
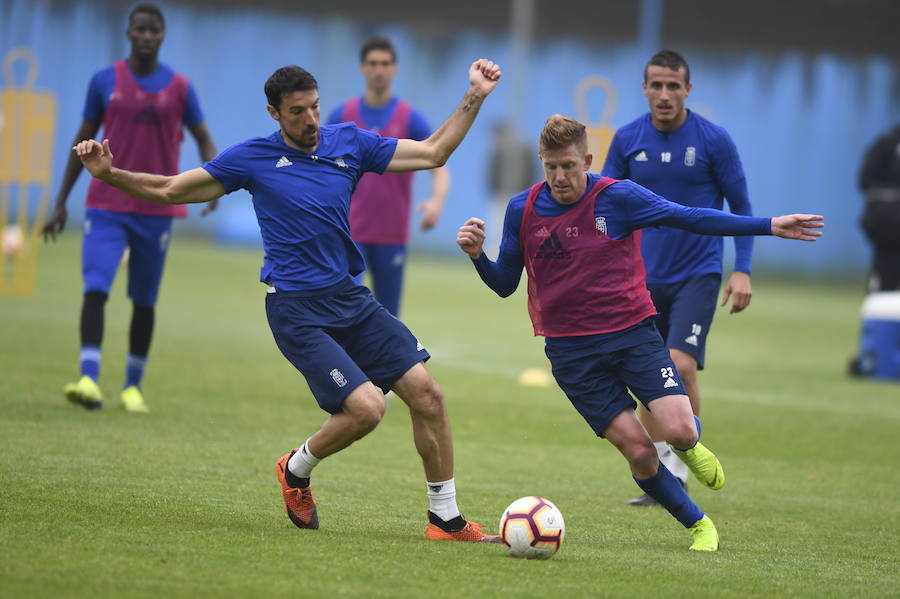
x=340, y=337
x=686, y=311
x=597, y=374
x=385, y=265
x=107, y=234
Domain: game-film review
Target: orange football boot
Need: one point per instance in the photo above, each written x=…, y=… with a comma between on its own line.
x=299, y=502
x=470, y=533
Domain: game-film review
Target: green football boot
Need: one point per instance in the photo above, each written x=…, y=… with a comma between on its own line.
x=704, y=464
x=85, y=393
x=706, y=537
x=133, y=400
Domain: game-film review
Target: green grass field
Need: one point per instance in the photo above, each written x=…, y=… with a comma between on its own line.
x=185, y=502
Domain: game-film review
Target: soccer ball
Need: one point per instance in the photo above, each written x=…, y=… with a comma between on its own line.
x=532, y=527
x=12, y=241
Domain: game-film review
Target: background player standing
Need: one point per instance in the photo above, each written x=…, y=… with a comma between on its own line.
x=578, y=237
x=684, y=158
x=142, y=105
x=328, y=326
x=379, y=212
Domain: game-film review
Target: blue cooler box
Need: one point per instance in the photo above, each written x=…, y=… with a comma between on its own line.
x=879, y=343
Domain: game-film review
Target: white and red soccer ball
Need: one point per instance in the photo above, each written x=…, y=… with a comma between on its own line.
x=532, y=527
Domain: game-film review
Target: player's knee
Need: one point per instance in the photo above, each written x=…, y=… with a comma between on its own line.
x=643, y=459
x=429, y=401
x=368, y=413
x=682, y=434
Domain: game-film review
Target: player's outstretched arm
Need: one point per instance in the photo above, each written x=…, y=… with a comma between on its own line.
x=433, y=152
x=190, y=187
x=470, y=237
x=798, y=226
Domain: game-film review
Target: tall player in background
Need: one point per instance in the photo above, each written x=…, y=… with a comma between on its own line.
x=142, y=105
x=380, y=210
x=685, y=158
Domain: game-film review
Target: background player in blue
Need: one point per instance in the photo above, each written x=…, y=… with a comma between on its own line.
x=350, y=349
x=143, y=106
x=684, y=158
x=578, y=237
x=380, y=208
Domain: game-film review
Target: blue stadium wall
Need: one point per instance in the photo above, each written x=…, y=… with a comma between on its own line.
x=801, y=122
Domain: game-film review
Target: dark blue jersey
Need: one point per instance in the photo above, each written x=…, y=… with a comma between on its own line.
x=302, y=201
x=103, y=84
x=619, y=210
x=695, y=165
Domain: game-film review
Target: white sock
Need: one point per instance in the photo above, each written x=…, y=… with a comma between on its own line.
x=302, y=462
x=442, y=499
x=671, y=461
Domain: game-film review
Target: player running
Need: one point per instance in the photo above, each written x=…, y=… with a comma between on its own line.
x=350, y=348
x=578, y=237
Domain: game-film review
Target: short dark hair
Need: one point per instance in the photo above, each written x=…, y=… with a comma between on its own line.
x=286, y=80
x=377, y=43
x=671, y=60
x=146, y=8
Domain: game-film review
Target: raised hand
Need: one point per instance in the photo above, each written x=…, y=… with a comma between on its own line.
x=470, y=237
x=484, y=76
x=96, y=158
x=798, y=226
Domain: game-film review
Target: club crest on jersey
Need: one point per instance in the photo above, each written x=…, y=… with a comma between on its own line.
x=690, y=156
x=338, y=377
x=600, y=223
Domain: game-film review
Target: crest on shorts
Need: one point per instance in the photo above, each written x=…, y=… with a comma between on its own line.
x=338, y=377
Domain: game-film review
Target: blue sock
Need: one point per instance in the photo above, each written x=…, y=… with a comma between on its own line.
x=667, y=490
x=90, y=361
x=134, y=370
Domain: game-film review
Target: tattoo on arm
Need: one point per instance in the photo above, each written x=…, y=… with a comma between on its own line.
x=470, y=102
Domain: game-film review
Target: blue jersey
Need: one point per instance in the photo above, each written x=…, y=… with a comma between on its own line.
x=695, y=165
x=302, y=201
x=103, y=84
x=375, y=119
x=619, y=210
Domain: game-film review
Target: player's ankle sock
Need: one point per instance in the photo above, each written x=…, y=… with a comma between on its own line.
x=442, y=499
x=671, y=461
x=300, y=466
x=452, y=525
x=699, y=433
x=134, y=370
x=665, y=488
x=90, y=361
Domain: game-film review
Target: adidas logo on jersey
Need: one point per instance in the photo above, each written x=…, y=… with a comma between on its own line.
x=283, y=161
x=641, y=157
x=552, y=248
x=670, y=382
